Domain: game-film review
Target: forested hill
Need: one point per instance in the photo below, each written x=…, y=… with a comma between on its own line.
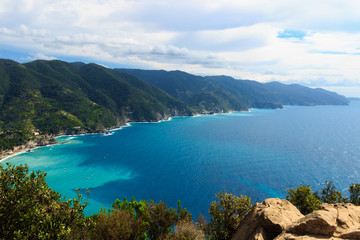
x=55, y=97
x=226, y=93
x=41, y=99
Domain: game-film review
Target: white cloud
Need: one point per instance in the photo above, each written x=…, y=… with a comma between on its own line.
x=42, y=57
x=235, y=37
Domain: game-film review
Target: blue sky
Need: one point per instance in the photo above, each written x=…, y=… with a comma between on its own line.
x=314, y=43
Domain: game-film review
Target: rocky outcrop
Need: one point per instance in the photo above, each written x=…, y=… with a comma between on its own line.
x=278, y=219
x=267, y=220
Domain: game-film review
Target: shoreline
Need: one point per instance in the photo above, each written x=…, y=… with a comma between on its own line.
x=13, y=155
x=6, y=156
x=28, y=150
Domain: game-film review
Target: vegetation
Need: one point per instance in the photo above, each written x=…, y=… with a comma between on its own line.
x=29, y=209
x=304, y=199
x=223, y=93
x=307, y=201
x=354, y=190
x=139, y=220
x=329, y=194
x=55, y=97
x=41, y=99
x=226, y=215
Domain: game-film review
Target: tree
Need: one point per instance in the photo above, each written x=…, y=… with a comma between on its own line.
x=354, y=190
x=329, y=194
x=303, y=198
x=130, y=220
x=226, y=215
x=29, y=209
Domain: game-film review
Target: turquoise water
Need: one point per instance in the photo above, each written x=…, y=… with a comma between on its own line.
x=259, y=153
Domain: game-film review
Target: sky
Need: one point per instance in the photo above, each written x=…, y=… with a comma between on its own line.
x=315, y=43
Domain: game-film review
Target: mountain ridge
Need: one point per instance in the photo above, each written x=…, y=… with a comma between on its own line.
x=239, y=94
x=42, y=99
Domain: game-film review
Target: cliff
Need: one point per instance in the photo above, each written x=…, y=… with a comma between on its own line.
x=280, y=220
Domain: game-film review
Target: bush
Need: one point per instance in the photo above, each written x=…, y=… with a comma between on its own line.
x=354, y=190
x=303, y=198
x=138, y=220
x=29, y=209
x=186, y=231
x=117, y=224
x=329, y=194
x=226, y=214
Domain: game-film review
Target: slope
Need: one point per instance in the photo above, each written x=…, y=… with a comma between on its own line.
x=55, y=97
x=223, y=93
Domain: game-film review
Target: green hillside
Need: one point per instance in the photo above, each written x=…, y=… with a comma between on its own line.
x=227, y=93
x=198, y=92
x=55, y=97
x=42, y=99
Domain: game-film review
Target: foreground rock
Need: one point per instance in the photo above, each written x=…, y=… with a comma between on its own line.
x=280, y=220
x=267, y=220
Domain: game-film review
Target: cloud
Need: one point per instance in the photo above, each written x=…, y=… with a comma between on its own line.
x=229, y=39
x=40, y=56
x=290, y=41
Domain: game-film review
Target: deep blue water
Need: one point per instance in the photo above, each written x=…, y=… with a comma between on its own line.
x=259, y=153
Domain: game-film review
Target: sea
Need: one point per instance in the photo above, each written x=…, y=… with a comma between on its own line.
x=260, y=153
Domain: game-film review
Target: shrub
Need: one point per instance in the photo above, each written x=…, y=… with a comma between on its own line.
x=29, y=209
x=187, y=231
x=354, y=190
x=117, y=224
x=303, y=198
x=329, y=194
x=226, y=214
x=138, y=220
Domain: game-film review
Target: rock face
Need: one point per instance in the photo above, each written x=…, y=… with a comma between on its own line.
x=267, y=220
x=280, y=220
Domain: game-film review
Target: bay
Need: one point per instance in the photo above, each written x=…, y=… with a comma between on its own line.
x=259, y=153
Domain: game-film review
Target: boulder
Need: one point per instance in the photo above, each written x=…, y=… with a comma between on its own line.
x=290, y=236
x=268, y=219
x=280, y=220
x=321, y=222
x=338, y=221
x=348, y=215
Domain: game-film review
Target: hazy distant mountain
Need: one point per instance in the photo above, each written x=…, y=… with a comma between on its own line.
x=225, y=93
x=256, y=93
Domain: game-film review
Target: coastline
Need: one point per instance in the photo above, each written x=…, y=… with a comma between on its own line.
x=23, y=149
x=13, y=153
x=6, y=156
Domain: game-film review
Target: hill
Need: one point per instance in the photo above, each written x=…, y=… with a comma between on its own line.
x=42, y=99
x=55, y=97
x=223, y=93
x=198, y=92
